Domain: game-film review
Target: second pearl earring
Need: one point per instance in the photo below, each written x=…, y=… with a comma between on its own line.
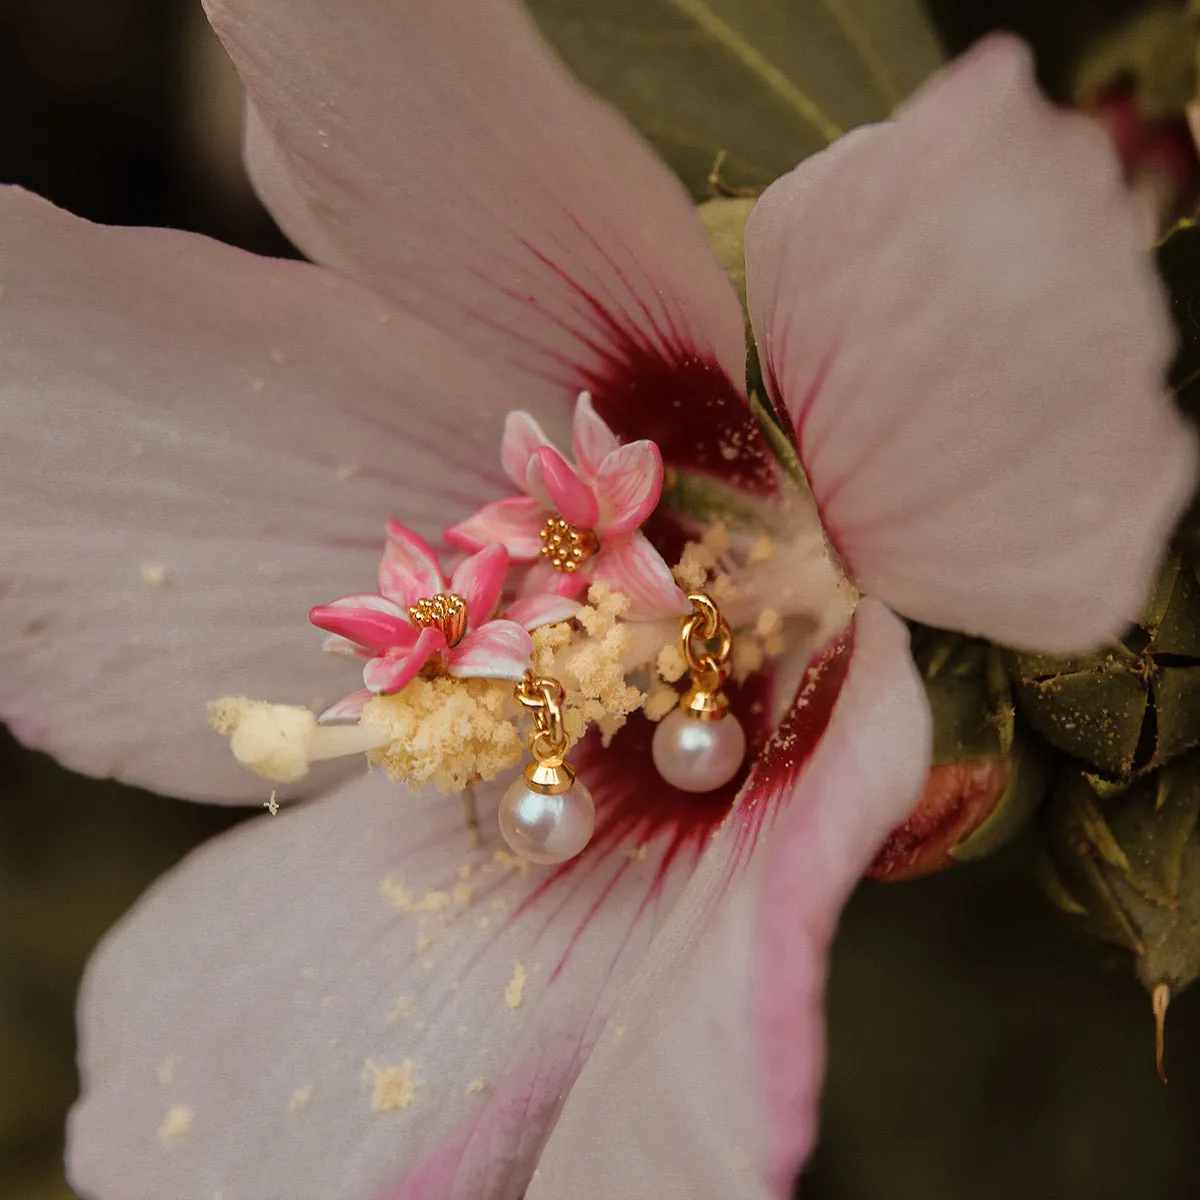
x=701, y=745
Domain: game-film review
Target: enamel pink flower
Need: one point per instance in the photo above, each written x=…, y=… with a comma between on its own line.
x=964, y=341
x=418, y=614
x=583, y=522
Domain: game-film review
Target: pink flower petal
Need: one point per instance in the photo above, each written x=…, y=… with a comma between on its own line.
x=347, y=709
x=277, y=975
x=545, y=609
x=706, y=1079
x=373, y=623
x=543, y=580
x=628, y=485
x=178, y=416
x=410, y=569
x=391, y=671
x=569, y=495
x=959, y=314
x=478, y=581
x=451, y=164
x=523, y=438
x=497, y=650
x=634, y=568
x=513, y=523
x=591, y=440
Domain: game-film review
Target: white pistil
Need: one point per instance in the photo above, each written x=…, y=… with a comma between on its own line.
x=278, y=741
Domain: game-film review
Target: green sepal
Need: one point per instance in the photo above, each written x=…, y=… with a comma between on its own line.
x=1127, y=869
x=1090, y=706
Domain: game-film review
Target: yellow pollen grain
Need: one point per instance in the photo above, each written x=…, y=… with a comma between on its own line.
x=155, y=574
x=300, y=1098
x=774, y=646
x=716, y=538
x=483, y=922
x=464, y=871
x=672, y=666
x=475, y=1087
x=463, y=892
x=347, y=471
x=402, y=1010
x=769, y=623
x=637, y=853
x=447, y=732
x=762, y=550
x=512, y=862
x=514, y=991
x=723, y=589
x=393, y=1088
x=660, y=700
x=176, y=1124
x=747, y=656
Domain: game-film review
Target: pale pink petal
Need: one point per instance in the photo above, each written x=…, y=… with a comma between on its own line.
x=373, y=630
x=409, y=569
x=569, y=495
x=478, y=581
x=439, y=153
x=343, y=647
x=959, y=313
x=542, y=579
x=513, y=523
x=497, y=650
x=263, y=990
x=392, y=670
x=635, y=569
x=523, y=438
x=198, y=446
x=545, y=609
x=591, y=438
x=628, y=485
x=347, y=709
x=706, y=1080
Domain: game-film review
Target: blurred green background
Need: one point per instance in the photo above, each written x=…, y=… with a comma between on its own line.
x=977, y=1049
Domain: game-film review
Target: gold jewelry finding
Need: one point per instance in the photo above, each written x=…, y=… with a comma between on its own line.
x=445, y=612
x=706, y=642
x=567, y=546
x=549, y=774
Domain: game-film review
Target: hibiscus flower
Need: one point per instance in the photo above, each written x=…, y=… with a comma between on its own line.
x=964, y=343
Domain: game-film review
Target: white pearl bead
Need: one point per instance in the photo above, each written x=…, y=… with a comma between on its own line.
x=547, y=829
x=698, y=756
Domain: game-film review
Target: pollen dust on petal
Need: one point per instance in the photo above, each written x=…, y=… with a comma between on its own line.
x=402, y=1010
x=393, y=1088
x=176, y=1125
x=511, y=862
x=660, y=700
x=300, y=1098
x=475, y=1087
x=447, y=732
x=154, y=574
x=514, y=991
x=166, y=1069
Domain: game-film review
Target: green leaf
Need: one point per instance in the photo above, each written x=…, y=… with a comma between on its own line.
x=767, y=82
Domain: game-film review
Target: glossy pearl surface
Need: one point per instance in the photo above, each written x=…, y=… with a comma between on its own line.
x=546, y=829
x=698, y=756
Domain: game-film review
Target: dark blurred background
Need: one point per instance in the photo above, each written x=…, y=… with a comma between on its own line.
x=978, y=1049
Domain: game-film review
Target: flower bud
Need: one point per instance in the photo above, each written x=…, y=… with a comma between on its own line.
x=987, y=775
x=1131, y=706
x=1125, y=867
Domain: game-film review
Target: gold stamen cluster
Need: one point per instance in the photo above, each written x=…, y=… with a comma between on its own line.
x=445, y=612
x=566, y=546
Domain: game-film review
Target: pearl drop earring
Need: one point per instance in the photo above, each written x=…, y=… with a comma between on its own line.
x=701, y=745
x=547, y=815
